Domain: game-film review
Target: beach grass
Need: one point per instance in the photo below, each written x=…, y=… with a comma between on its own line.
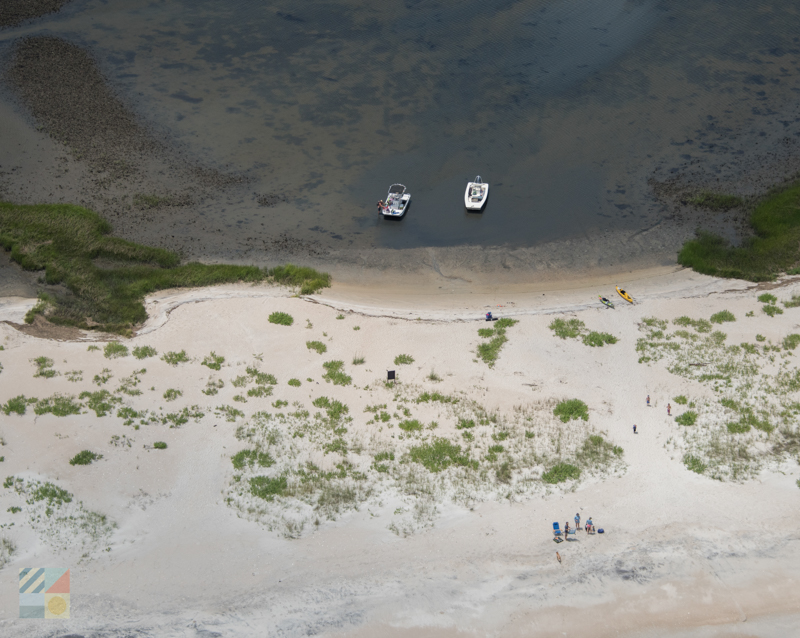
x=108, y=277
x=85, y=457
x=774, y=248
x=317, y=346
x=571, y=409
x=561, y=472
x=143, y=352
x=281, y=318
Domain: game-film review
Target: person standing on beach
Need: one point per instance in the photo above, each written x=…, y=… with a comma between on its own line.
x=669, y=410
x=648, y=400
x=634, y=428
x=577, y=522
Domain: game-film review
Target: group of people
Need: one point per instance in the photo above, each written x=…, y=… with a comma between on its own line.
x=588, y=526
x=669, y=411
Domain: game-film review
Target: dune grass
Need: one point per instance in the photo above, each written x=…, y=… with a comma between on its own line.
x=67, y=241
x=774, y=248
x=570, y=409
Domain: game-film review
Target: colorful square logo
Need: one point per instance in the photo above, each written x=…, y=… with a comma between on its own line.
x=44, y=592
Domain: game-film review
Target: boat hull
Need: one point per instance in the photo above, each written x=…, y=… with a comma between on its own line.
x=470, y=202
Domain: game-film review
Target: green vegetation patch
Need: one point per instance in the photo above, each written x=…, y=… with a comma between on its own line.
x=716, y=201
x=440, y=454
x=281, y=318
x=694, y=464
x=174, y=358
x=307, y=279
x=160, y=445
x=598, y=339
x=268, y=488
x=701, y=325
x=58, y=405
x=561, y=472
x=767, y=298
x=213, y=361
x=681, y=399
x=334, y=373
x=790, y=342
x=65, y=241
x=489, y=351
x=115, y=350
x=774, y=247
x=295, y=383
x=172, y=394
x=687, y=418
x=571, y=409
x=250, y=458
x=44, y=367
x=722, y=316
x=410, y=425
x=567, y=328
x=772, y=310
x=18, y=405
x=427, y=397
x=794, y=302
x=101, y=402
x=403, y=359
x=596, y=451
x=317, y=346
x=86, y=457
x=143, y=352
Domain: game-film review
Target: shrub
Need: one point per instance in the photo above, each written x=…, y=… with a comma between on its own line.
x=440, y=454
x=687, y=418
x=403, y=359
x=143, y=352
x=410, y=425
x=681, y=400
x=722, y=316
x=281, y=319
x=17, y=405
x=571, y=409
x=174, y=358
x=561, y=472
x=84, y=458
x=115, y=350
x=760, y=338
x=598, y=339
x=694, y=464
x=213, y=361
x=294, y=383
x=268, y=488
x=58, y=405
x=772, y=310
x=767, y=298
x=160, y=445
x=567, y=329
x=317, y=346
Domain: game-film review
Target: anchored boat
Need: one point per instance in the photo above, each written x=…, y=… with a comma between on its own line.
x=396, y=202
x=476, y=194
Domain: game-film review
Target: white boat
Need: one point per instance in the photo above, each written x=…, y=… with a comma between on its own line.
x=476, y=194
x=396, y=202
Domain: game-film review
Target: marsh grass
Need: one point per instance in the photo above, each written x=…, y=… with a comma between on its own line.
x=281, y=318
x=718, y=202
x=773, y=248
x=307, y=279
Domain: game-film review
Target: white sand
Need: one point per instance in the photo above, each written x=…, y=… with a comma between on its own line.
x=684, y=555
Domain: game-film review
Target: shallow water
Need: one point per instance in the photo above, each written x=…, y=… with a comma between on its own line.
x=565, y=107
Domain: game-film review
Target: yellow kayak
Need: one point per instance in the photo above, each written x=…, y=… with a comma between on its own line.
x=624, y=295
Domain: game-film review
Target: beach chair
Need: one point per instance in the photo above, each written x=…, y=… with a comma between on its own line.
x=557, y=533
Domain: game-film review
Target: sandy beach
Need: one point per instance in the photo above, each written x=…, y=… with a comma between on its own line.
x=367, y=541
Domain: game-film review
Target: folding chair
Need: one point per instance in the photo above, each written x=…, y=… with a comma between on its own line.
x=557, y=533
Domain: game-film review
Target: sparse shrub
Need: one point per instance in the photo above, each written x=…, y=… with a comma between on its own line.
x=465, y=424
x=687, y=418
x=335, y=374
x=281, y=319
x=280, y=403
x=410, y=425
x=44, y=367
x=681, y=400
x=213, y=387
x=115, y=350
x=571, y=409
x=772, y=310
x=104, y=376
x=17, y=405
x=790, y=342
x=260, y=391
x=767, y=298
x=598, y=339
x=794, y=302
x=174, y=358
x=101, y=402
x=213, y=361
x=250, y=458
x=403, y=359
x=294, y=383
x=722, y=316
x=561, y=472
x=144, y=352
x=58, y=405
x=567, y=329
x=317, y=346
x=85, y=458
x=160, y=445
x=172, y=394
x=760, y=338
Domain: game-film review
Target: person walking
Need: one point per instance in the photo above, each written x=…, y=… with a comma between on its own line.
x=577, y=521
x=669, y=410
x=648, y=400
x=634, y=428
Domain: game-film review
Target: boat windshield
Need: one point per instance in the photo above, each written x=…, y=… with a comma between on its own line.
x=397, y=188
